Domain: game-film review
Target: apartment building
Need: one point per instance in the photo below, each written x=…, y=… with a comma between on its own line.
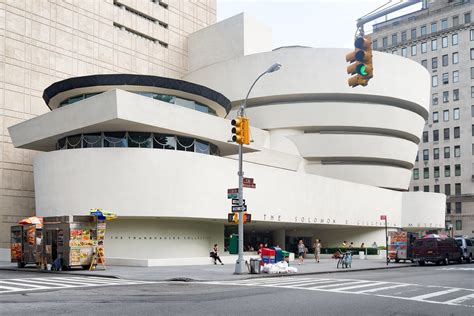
x=44, y=41
x=440, y=36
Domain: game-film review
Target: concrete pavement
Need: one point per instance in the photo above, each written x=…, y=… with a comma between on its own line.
x=213, y=272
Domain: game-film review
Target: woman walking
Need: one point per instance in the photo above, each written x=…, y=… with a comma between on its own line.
x=301, y=251
x=215, y=254
x=317, y=250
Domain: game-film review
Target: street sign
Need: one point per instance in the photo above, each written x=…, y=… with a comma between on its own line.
x=239, y=208
x=233, y=191
x=383, y=217
x=232, y=196
x=248, y=183
x=236, y=201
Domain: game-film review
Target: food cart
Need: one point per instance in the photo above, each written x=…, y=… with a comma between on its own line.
x=26, y=244
x=72, y=239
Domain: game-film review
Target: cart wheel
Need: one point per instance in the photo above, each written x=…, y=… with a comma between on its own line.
x=20, y=264
x=397, y=260
x=85, y=267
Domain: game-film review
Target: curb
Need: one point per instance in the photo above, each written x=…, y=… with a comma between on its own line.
x=110, y=276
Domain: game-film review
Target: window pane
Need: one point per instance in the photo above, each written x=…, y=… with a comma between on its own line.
x=423, y=48
x=425, y=137
x=444, y=41
x=115, y=139
x=435, y=135
x=455, y=76
x=447, y=171
x=413, y=50
x=434, y=44
x=434, y=81
x=92, y=140
x=446, y=133
x=454, y=39
x=164, y=141
x=444, y=24
x=185, y=143
x=433, y=27
x=445, y=115
x=445, y=96
x=447, y=189
x=426, y=173
x=434, y=99
x=455, y=58
x=457, y=170
x=457, y=151
x=436, y=153
x=447, y=152
x=444, y=60
x=457, y=132
x=140, y=140
x=435, y=117
x=455, y=94
x=456, y=114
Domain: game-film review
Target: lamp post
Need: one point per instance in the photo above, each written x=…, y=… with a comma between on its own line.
x=239, y=265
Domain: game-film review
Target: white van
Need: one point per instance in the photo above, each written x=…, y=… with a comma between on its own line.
x=467, y=248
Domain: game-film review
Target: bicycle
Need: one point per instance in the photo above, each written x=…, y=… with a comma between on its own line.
x=345, y=260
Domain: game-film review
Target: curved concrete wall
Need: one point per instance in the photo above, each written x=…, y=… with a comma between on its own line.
x=180, y=185
x=379, y=125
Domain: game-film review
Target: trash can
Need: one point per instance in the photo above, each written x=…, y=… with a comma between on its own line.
x=234, y=244
x=268, y=255
x=255, y=266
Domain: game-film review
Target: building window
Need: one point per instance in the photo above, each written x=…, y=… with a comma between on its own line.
x=457, y=170
x=472, y=53
x=413, y=50
x=446, y=133
x=447, y=171
x=384, y=42
x=436, y=172
x=416, y=174
x=433, y=27
x=457, y=207
x=435, y=153
x=471, y=35
x=413, y=34
x=435, y=135
x=426, y=188
x=435, y=117
x=404, y=36
x=394, y=52
x=446, y=116
x=434, y=81
x=394, y=39
x=448, y=211
x=425, y=137
x=457, y=132
x=457, y=151
x=444, y=60
x=472, y=150
x=426, y=154
x=458, y=224
x=445, y=78
x=455, y=58
x=434, y=44
x=447, y=152
x=444, y=42
x=455, y=20
x=434, y=99
x=467, y=17
x=434, y=62
x=374, y=44
x=455, y=39
x=445, y=96
x=423, y=30
x=416, y=188
x=424, y=63
x=424, y=48
x=455, y=76
x=447, y=190
x=416, y=159
x=457, y=188
x=456, y=114
x=436, y=188
x=444, y=24
x=404, y=51
x=472, y=92
x=426, y=173
x=455, y=94
x=472, y=111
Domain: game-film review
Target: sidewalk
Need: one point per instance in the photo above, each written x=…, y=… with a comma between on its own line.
x=214, y=272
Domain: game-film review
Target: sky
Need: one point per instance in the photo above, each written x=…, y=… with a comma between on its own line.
x=315, y=23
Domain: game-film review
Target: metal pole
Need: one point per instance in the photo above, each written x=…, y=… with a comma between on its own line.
x=386, y=241
x=239, y=267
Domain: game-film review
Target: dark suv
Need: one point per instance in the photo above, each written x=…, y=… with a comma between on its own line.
x=436, y=250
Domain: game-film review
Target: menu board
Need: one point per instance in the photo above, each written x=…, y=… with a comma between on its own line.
x=81, y=237
x=16, y=251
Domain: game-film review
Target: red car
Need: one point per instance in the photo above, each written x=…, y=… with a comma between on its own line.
x=437, y=250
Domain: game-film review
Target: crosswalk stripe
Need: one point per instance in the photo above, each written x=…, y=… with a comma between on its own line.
x=359, y=286
x=335, y=285
x=22, y=284
x=382, y=288
x=7, y=288
x=269, y=280
x=460, y=299
x=57, y=285
x=429, y=295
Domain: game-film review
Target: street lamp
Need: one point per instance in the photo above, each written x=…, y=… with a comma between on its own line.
x=239, y=265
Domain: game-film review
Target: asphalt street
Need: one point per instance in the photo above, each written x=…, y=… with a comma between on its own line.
x=431, y=290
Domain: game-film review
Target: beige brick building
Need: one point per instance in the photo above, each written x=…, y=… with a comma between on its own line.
x=44, y=41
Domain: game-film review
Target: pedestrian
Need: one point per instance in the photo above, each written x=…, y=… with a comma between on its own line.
x=301, y=251
x=260, y=247
x=362, y=245
x=215, y=254
x=351, y=245
x=317, y=250
x=344, y=244
x=374, y=245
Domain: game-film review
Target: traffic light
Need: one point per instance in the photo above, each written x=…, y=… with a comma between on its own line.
x=361, y=62
x=233, y=218
x=247, y=218
x=241, y=130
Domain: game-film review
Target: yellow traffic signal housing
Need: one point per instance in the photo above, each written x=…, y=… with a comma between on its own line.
x=241, y=130
x=233, y=218
x=361, y=62
x=247, y=218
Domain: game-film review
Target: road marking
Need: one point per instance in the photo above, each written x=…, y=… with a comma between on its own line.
x=456, y=269
x=345, y=285
x=429, y=295
x=57, y=283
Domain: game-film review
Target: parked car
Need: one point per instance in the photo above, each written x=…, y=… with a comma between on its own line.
x=467, y=248
x=436, y=250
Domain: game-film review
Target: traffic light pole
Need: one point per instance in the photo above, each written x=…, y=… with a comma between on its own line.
x=239, y=265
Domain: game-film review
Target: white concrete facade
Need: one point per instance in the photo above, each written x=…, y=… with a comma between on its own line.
x=328, y=160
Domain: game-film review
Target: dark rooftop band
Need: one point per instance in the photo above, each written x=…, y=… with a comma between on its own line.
x=135, y=80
